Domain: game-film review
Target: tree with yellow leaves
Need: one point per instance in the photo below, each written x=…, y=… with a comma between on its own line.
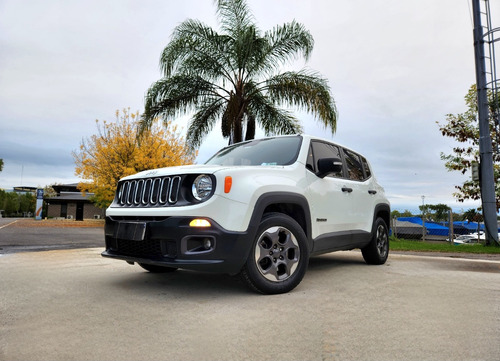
x=119, y=150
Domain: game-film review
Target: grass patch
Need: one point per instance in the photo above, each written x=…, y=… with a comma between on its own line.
x=421, y=246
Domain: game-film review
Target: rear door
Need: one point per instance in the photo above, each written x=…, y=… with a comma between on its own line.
x=361, y=196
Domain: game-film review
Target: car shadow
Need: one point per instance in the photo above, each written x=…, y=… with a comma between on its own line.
x=333, y=260
x=186, y=283
x=182, y=283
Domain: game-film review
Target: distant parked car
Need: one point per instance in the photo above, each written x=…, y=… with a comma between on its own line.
x=472, y=238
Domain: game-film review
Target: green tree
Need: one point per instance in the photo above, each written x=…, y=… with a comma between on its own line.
x=406, y=213
x=396, y=214
x=11, y=205
x=1, y=165
x=234, y=76
x=27, y=203
x=464, y=128
x=473, y=215
x=441, y=211
x=3, y=198
x=437, y=212
x=49, y=192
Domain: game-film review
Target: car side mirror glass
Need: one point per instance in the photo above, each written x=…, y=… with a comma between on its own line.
x=328, y=165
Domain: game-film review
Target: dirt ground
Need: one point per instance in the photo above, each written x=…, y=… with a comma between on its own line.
x=57, y=223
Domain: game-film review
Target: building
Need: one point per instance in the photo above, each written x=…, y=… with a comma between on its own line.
x=70, y=203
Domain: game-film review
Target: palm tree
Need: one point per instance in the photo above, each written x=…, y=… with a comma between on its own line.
x=234, y=77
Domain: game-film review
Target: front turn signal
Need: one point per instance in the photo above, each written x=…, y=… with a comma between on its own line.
x=228, y=183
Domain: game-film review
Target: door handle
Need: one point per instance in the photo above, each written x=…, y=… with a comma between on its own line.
x=346, y=189
x=372, y=192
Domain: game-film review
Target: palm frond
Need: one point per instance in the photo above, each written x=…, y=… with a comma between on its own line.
x=283, y=44
x=234, y=16
x=271, y=118
x=308, y=91
x=203, y=121
x=197, y=48
x=173, y=96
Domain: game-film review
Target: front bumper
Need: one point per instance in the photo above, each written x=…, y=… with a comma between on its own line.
x=172, y=242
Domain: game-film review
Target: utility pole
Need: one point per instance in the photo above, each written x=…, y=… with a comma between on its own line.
x=424, y=231
x=450, y=226
x=487, y=182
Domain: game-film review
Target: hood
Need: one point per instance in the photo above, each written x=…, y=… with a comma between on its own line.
x=183, y=169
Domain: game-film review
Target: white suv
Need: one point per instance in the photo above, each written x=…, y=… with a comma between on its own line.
x=259, y=208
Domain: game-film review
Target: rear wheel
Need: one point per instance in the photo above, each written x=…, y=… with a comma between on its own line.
x=279, y=256
x=157, y=269
x=377, y=251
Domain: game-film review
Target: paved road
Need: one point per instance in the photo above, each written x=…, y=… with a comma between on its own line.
x=72, y=304
x=76, y=305
x=14, y=238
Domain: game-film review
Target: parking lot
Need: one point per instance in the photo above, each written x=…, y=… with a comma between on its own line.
x=73, y=304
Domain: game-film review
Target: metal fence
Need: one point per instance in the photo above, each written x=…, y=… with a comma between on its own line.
x=416, y=228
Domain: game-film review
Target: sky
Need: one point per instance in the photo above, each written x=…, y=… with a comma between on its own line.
x=395, y=68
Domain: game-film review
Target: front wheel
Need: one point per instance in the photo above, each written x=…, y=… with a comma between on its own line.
x=279, y=256
x=377, y=251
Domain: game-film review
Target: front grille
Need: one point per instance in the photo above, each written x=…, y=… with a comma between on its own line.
x=160, y=191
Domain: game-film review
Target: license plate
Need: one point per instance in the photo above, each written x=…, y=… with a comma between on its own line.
x=133, y=231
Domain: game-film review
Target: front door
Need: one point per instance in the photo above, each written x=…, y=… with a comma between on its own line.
x=330, y=201
x=79, y=211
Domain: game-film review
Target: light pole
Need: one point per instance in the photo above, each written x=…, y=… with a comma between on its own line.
x=487, y=184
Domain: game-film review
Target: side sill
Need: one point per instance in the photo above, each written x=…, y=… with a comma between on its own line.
x=340, y=241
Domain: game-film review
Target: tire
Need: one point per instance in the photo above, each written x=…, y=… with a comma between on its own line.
x=157, y=269
x=377, y=251
x=279, y=256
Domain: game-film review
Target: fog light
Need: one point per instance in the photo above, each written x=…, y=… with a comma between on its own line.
x=207, y=243
x=199, y=223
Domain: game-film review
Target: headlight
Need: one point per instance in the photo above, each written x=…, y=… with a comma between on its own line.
x=202, y=187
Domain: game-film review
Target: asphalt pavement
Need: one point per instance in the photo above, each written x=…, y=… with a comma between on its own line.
x=24, y=235
x=73, y=304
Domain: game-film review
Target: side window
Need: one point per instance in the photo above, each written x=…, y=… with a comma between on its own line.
x=354, y=167
x=310, y=160
x=319, y=150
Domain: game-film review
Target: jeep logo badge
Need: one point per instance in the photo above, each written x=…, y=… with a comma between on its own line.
x=152, y=173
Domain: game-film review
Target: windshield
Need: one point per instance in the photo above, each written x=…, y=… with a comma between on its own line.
x=269, y=151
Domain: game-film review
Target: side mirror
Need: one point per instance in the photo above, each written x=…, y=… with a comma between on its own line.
x=328, y=165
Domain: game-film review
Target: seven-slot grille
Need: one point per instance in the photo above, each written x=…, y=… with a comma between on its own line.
x=160, y=191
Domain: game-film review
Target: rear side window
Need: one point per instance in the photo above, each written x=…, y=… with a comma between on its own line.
x=354, y=166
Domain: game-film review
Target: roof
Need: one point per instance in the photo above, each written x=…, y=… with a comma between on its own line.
x=24, y=189
x=70, y=196
x=69, y=187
